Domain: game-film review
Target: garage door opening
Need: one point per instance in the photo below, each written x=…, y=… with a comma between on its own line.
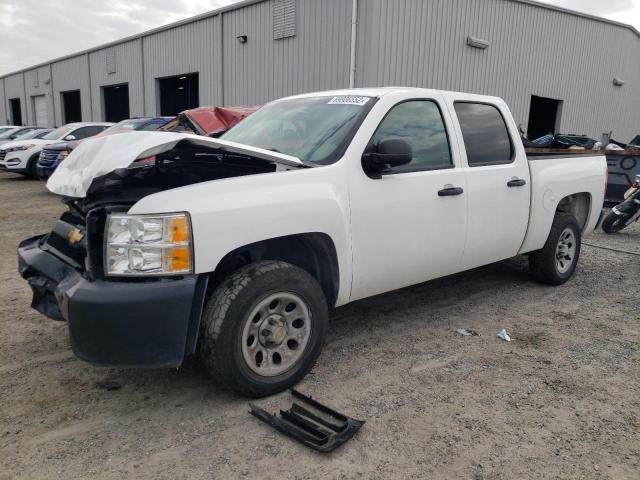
x=115, y=99
x=178, y=93
x=544, y=116
x=71, y=107
x=16, y=112
x=40, y=114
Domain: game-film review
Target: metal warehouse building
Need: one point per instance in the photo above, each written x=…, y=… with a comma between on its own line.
x=558, y=70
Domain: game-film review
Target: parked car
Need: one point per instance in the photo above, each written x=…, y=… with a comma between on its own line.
x=4, y=128
x=53, y=154
x=209, y=121
x=13, y=133
x=237, y=247
x=22, y=156
x=39, y=133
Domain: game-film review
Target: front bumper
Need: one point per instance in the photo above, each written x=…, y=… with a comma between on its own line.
x=125, y=324
x=43, y=172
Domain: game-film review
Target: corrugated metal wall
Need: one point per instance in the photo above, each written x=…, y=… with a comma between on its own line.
x=187, y=49
x=126, y=68
x=72, y=74
x=533, y=51
x=3, y=106
x=263, y=69
x=14, y=88
x=37, y=82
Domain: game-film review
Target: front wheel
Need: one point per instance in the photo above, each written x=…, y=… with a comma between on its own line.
x=32, y=167
x=613, y=222
x=556, y=262
x=263, y=328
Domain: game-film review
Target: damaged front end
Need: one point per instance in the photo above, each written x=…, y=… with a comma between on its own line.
x=137, y=320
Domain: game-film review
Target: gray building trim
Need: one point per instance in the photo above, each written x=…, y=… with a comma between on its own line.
x=246, y=3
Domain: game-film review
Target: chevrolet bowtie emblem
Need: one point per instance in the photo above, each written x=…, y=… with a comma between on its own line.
x=74, y=236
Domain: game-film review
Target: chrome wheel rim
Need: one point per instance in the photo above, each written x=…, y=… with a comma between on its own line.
x=276, y=334
x=565, y=250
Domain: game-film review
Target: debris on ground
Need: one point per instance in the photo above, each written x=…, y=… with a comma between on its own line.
x=109, y=385
x=503, y=335
x=467, y=332
x=322, y=429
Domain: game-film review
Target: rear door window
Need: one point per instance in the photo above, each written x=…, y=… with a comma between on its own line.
x=485, y=134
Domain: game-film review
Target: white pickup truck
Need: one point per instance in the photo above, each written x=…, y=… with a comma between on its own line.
x=237, y=247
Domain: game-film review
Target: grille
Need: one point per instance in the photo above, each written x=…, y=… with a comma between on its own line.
x=3, y=154
x=48, y=157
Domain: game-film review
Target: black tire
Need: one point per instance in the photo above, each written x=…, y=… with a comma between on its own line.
x=32, y=167
x=613, y=223
x=542, y=263
x=227, y=311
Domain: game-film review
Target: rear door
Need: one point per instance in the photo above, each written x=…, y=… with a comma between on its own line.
x=498, y=181
x=408, y=225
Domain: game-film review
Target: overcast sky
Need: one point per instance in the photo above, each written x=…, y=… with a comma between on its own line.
x=35, y=31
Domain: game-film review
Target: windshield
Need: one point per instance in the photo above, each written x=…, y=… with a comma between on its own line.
x=121, y=127
x=6, y=133
x=313, y=129
x=57, y=134
x=4, y=129
x=32, y=134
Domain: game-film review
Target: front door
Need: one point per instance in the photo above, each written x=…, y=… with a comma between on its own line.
x=407, y=226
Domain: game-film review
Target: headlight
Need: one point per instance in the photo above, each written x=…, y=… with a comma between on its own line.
x=148, y=245
x=63, y=154
x=18, y=149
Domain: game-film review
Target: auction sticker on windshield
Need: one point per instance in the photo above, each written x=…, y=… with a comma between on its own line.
x=349, y=100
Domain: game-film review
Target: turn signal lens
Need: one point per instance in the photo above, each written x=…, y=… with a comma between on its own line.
x=179, y=229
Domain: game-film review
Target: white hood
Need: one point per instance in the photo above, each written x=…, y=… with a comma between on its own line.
x=102, y=155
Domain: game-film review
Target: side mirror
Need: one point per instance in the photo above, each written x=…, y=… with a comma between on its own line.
x=388, y=153
x=70, y=137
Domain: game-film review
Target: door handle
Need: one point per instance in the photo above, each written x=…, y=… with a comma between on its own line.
x=450, y=191
x=516, y=182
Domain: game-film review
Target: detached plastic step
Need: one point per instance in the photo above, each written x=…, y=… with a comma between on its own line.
x=320, y=427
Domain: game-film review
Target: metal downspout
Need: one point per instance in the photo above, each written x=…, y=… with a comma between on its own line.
x=354, y=36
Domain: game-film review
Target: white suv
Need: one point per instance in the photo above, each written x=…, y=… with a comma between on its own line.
x=21, y=156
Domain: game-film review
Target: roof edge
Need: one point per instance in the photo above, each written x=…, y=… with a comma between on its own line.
x=575, y=13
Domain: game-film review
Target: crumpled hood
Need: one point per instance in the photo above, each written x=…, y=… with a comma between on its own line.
x=102, y=155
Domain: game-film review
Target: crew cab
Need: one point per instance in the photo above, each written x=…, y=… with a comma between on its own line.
x=21, y=156
x=237, y=247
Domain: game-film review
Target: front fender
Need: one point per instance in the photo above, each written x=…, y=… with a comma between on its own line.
x=231, y=213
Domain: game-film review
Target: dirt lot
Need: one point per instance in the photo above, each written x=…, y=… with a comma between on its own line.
x=560, y=401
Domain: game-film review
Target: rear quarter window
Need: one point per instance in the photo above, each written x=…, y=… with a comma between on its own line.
x=485, y=134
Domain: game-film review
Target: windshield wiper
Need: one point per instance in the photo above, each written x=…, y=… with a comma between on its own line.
x=303, y=162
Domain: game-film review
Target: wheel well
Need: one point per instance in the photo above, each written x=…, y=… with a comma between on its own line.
x=313, y=252
x=578, y=205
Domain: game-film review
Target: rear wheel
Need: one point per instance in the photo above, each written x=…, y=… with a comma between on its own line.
x=613, y=223
x=556, y=262
x=263, y=328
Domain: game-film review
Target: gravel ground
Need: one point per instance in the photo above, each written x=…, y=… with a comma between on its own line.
x=559, y=401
